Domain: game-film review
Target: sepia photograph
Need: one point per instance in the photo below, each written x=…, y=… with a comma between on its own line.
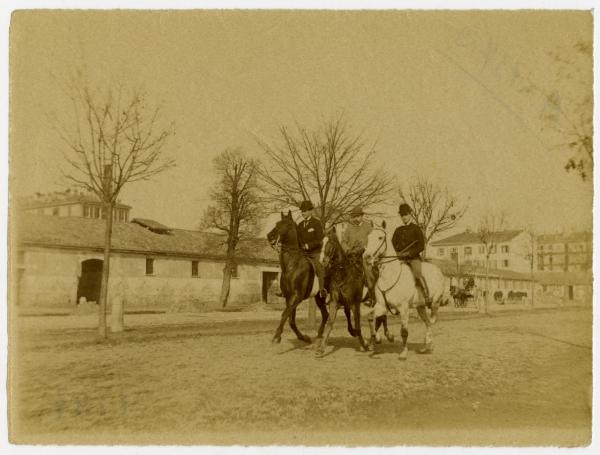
x=300, y=227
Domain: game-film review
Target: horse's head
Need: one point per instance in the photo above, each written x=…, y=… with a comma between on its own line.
x=284, y=231
x=376, y=244
x=331, y=252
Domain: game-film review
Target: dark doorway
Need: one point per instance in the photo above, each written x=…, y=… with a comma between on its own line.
x=89, y=282
x=570, y=292
x=268, y=280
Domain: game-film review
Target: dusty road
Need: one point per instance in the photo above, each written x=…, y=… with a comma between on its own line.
x=509, y=379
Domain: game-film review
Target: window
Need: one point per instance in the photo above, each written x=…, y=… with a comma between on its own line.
x=55, y=211
x=149, y=266
x=493, y=249
x=505, y=263
x=440, y=251
x=194, y=268
x=454, y=250
x=234, y=271
x=96, y=212
x=482, y=250
x=504, y=248
x=468, y=251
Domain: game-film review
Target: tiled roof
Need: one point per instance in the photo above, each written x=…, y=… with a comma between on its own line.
x=54, y=199
x=564, y=278
x=562, y=238
x=469, y=237
x=75, y=232
x=449, y=268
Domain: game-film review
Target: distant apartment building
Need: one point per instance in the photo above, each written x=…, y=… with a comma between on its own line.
x=564, y=252
x=71, y=203
x=512, y=250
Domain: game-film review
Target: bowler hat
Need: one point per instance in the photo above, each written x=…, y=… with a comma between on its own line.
x=357, y=211
x=305, y=206
x=404, y=209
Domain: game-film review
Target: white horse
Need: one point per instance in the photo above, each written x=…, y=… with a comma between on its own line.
x=396, y=287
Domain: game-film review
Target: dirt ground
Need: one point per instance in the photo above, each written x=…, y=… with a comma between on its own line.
x=508, y=379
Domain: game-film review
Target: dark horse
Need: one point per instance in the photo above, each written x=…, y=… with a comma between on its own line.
x=346, y=284
x=297, y=277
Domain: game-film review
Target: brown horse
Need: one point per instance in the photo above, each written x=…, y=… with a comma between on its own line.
x=346, y=284
x=297, y=277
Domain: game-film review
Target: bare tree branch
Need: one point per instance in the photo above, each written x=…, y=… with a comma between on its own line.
x=435, y=210
x=329, y=166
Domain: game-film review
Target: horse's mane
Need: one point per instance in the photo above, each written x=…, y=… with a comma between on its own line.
x=289, y=220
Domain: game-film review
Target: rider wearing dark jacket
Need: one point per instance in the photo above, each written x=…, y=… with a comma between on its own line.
x=310, y=238
x=409, y=243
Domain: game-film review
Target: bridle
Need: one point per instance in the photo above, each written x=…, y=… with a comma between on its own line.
x=376, y=257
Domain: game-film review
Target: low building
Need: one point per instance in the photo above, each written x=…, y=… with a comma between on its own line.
x=57, y=264
x=500, y=280
x=566, y=286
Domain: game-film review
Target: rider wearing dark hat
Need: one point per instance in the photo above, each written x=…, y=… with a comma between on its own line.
x=310, y=238
x=408, y=241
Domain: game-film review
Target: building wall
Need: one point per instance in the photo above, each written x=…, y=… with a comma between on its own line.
x=518, y=249
x=78, y=209
x=48, y=278
x=564, y=255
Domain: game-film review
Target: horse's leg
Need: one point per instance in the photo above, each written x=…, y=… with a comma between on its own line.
x=299, y=334
x=428, y=344
x=361, y=340
x=284, y=316
x=404, y=318
x=389, y=335
x=371, y=323
x=380, y=314
x=435, y=306
x=322, y=305
x=333, y=307
x=348, y=314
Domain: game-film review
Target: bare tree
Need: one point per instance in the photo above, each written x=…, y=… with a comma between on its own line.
x=113, y=138
x=530, y=254
x=330, y=166
x=435, y=210
x=567, y=114
x=236, y=209
x=488, y=230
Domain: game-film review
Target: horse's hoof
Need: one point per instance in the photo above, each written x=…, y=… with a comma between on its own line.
x=427, y=349
x=319, y=352
x=390, y=337
x=403, y=354
x=306, y=339
x=276, y=340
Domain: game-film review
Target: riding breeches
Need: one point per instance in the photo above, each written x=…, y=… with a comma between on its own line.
x=415, y=266
x=313, y=257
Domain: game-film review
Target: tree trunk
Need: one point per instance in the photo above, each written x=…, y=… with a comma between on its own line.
x=226, y=284
x=532, y=286
x=105, y=271
x=484, y=309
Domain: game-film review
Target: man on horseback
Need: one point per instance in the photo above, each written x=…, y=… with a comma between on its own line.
x=310, y=238
x=354, y=242
x=408, y=241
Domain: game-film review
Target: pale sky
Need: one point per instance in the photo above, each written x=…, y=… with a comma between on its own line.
x=435, y=90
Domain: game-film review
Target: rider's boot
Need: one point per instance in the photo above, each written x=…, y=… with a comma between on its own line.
x=425, y=289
